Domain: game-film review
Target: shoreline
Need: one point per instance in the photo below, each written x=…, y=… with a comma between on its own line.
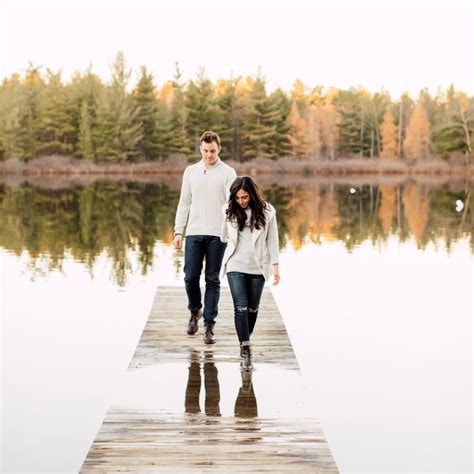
x=69, y=168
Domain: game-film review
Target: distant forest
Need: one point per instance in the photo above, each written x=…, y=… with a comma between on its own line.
x=42, y=115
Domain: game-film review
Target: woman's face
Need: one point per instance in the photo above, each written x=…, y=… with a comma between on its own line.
x=243, y=198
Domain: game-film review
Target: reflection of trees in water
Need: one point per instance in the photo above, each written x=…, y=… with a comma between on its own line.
x=416, y=205
x=388, y=207
x=116, y=217
x=110, y=217
x=354, y=215
x=311, y=214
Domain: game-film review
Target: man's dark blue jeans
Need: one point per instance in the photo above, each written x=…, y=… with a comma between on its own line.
x=196, y=249
x=246, y=290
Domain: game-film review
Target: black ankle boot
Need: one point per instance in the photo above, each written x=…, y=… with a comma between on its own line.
x=246, y=353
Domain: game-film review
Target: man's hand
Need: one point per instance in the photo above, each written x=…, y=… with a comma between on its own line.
x=178, y=241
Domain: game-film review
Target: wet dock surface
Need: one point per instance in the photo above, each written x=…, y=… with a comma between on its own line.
x=185, y=406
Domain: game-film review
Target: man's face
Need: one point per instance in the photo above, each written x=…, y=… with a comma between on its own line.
x=209, y=152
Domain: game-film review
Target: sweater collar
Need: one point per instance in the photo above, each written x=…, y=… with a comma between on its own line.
x=215, y=165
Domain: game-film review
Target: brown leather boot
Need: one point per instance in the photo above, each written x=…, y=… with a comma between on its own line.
x=209, y=337
x=193, y=322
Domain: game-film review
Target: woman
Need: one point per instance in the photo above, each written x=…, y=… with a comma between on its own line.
x=251, y=256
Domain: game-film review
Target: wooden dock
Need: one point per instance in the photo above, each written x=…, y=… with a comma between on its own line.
x=135, y=438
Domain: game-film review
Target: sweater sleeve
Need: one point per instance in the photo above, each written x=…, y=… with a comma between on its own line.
x=224, y=231
x=182, y=212
x=230, y=179
x=272, y=241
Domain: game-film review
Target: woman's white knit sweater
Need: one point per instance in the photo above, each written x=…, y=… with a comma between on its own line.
x=243, y=259
x=203, y=193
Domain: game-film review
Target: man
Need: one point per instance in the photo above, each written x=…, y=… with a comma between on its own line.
x=205, y=189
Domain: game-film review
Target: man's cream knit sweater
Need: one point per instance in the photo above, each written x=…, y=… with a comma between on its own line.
x=203, y=193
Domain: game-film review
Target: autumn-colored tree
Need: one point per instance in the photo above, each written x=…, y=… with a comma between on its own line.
x=417, y=140
x=329, y=124
x=298, y=132
x=166, y=93
x=402, y=110
x=388, y=132
x=314, y=132
x=299, y=93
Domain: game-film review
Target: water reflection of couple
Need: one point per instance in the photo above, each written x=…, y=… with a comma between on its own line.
x=230, y=226
x=245, y=404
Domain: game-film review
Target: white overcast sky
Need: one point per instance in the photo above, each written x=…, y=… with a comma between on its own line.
x=399, y=45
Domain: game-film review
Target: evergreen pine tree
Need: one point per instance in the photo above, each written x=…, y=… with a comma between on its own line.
x=10, y=116
x=85, y=144
x=455, y=128
x=201, y=111
x=55, y=127
x=228, y=101
x=33, y=86
x=84, y=87
x=180, y=142
x=118, y=130
x=146, y=101
x=259, y=123
x=280, y=143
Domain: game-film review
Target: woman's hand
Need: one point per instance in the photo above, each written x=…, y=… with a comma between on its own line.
x=276, y=274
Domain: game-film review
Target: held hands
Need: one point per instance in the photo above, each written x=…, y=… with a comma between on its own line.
x=178, y=241
x=276, y=274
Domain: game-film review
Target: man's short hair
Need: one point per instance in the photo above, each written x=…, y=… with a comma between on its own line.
x=209, y=137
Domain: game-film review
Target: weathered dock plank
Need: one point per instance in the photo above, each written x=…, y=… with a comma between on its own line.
x=164, y=336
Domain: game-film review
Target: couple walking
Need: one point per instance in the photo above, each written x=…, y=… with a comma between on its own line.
x=231, y=227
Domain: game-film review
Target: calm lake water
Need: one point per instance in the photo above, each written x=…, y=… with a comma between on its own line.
x=376, y=295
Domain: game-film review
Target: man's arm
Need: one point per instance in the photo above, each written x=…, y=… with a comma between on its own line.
x=182, y=212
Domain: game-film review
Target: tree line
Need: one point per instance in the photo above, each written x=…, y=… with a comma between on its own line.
x=101, y=122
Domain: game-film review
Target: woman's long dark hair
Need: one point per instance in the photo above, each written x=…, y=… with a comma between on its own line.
x=257, y=204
